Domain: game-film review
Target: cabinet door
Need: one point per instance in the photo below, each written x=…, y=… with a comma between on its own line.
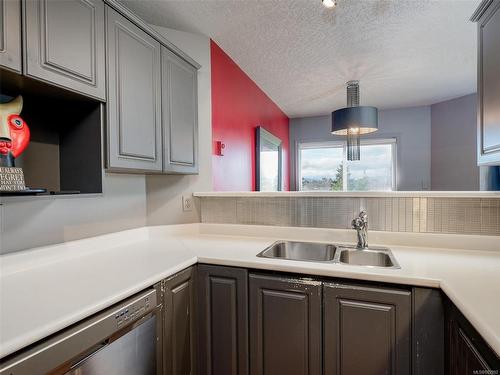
x=10, y=34
x=222, y=303
x=467, y=352
x=285, y=326
x=179, y=324
x=180, y=114
x=467, y=359
x=65, y=44
x=366, y=330
x=134, y=103
x=489, y=86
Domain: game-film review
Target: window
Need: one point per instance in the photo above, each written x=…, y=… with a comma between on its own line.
x=268, y=161
x=324, y=166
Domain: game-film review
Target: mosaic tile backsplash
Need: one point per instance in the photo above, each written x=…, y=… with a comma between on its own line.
x=428, y=215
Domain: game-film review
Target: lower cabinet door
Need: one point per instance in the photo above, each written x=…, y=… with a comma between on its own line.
x=366, y=330
x=285, y=326
x=467, y=352
x=466, y=356
x=178, y=301
x=222, y=303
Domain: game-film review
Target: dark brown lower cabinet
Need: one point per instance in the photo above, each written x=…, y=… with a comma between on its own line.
x=222, y=303
x=285, y=326
x=467, y=352
x=366, y=330
x=179, y=338
x=277, y=324
x=428, y=354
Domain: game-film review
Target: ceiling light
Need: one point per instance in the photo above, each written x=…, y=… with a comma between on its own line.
x=329, y=3
x=354, y=121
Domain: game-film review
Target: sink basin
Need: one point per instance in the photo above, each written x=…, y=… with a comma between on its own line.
x=304, y=251
x=325, y=252
x=374, y=257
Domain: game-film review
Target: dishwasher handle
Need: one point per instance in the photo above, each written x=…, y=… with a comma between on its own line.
x=89, y=353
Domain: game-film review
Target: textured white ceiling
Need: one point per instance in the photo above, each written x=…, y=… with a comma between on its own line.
x=404, y=52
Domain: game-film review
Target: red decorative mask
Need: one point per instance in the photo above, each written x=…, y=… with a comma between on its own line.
x=14, y=132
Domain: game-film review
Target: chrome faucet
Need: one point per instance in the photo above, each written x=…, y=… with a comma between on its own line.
x=361, y=225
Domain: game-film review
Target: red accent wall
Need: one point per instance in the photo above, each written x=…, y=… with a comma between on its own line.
x=238, y=107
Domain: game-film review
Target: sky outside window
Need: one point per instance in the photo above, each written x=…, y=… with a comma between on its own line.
x=322, y=168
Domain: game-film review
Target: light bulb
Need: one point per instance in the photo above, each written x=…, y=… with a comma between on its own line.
x=329, y=3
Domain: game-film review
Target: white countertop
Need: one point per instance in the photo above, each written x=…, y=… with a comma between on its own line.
x=46, y=289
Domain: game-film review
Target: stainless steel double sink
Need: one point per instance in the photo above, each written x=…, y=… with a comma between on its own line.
x=323, y=252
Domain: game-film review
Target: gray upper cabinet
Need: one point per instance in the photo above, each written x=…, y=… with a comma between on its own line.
x=488, y=17
x=10, y=34
x=134, y=97
x=366, y=330
x=180, y=114
x=64, y=41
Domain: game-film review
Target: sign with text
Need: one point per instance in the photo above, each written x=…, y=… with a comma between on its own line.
x=11, y=179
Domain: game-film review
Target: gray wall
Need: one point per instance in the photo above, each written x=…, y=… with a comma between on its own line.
x=37, y=221
x=410, y=126
x=453, y=145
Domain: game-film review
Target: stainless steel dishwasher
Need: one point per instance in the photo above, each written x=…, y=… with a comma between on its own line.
x=125, y=339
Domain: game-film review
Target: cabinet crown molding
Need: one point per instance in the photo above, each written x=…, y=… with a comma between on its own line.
x=478, y=13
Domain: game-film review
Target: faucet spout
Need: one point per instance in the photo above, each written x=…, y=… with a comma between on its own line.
x=361, y=225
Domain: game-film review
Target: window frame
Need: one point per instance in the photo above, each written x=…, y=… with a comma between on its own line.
x=332, y=144
x=261, y=135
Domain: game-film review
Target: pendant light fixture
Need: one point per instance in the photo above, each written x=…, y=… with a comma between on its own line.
x=354, y=121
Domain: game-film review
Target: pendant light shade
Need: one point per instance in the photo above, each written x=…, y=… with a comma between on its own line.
x=363, y=120
x=354, y=121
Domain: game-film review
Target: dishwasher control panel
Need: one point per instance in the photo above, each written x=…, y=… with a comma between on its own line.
x=136, y=309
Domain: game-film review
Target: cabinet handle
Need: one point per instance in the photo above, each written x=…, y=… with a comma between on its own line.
x=90, y=353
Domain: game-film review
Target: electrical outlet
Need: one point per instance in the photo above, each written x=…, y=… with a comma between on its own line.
x=187, y=204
